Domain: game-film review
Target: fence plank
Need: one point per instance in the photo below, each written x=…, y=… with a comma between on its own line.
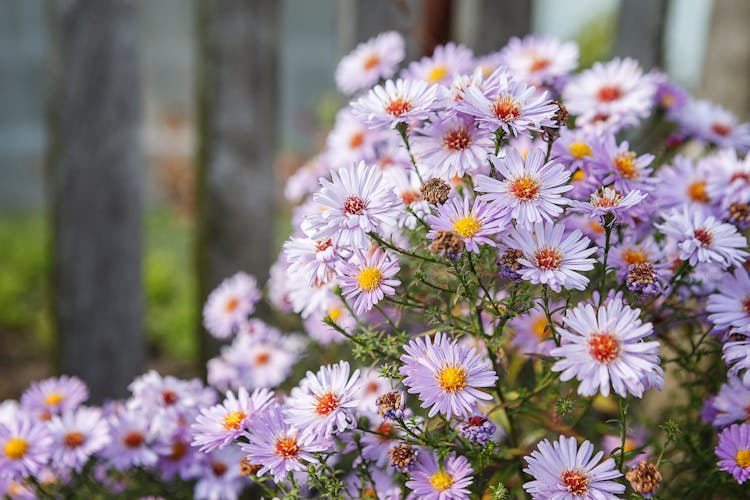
x=640, y=31
x=95, y=189
x=238, y=120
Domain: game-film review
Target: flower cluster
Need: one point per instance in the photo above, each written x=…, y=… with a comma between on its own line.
x=494, y=280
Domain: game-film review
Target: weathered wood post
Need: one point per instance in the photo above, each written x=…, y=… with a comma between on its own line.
x=237, y=134
x=94, y=174
x=640, y=31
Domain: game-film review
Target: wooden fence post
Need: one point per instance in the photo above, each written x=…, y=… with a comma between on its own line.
x=640, y=31
x=95, y=189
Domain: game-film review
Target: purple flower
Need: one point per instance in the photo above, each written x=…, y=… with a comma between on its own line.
x=219, y=425
x=133, y=436
x=278, y=447
x=395, y=102
x=355, y=202
x=562, y=470
x=219, y=475
x=474, y=225
x=25, y=447
x=607, y=203
x=734, y=451
x=324, y=402
x=54, y=395
x=478, y=428
x=368, y=278
x=702, y=238
x=532, y=334
x=551, y=260
x=737, y=357
x=731, y=403
x=452, y=146
x=77, y=435
x=605, y=347
x=432, y=481
x=530, y=188
x=312, y=261
x=230, y=304
x=623, y=168
x=729, y=307
x=539, y=59
x=507, y=104
x=372, y=60
x=446, y=375
x=712, y=123
x=446, y=62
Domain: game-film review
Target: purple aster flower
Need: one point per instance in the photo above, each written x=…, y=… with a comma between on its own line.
x=355, y=202
x=369, y=277
x=478, y=428
x=132, y=438
x=432, y=481
x=395, y=102
x=53, y=396
x=77, y=435
x=312, y=261
x=475, y=225
x=278, y=447
x=731, y=403
x=221, y=424
x=562, y=470
x=635, y=439
x=687, y=181
x=669, y=96
x=728, y=178
x=25, y=447
x=712, y=123
x=325, y=402
x=734, y=451
x=176, y=457
x=623, y=168
x=737, y=357
x=406, y=184
x=370, y=61
x=446, y=62
x=446, y=375
x=708, y=411
x=631, y=252
x=452, y=146
x=264, y=360
x=701, y=238
x=606, y=202
x=350, y=141
x=507, y=104
x=168, y=397
x=729, y=307
x=610, y=95
x=229, y=305
x=372, y=386
x=219, y=475
x=551, y=260
x=377, y=444
x=575, y=149
x=539, y=59
x=605, y=347
x=531, y=188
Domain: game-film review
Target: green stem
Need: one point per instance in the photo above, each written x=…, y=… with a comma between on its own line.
x=623, y=431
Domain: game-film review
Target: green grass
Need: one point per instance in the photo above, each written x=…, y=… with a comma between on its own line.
x=169, y=281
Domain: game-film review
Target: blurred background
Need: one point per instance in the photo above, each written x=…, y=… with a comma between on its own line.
x=144, y=146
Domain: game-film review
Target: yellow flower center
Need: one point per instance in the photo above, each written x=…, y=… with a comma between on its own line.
x=468, y=226
x=452, y=378
x=234, y=420
x=437, y=74
x=634, y=256
x=625, y=165
x=232, y=304
x=441, y=481
x=334, y=313
x=579, y=150
x=697, y=192
x=743, y=458
x=369, y=278
x=16, y=448
x=539, y=327
x=53, y=398
x=578, y=175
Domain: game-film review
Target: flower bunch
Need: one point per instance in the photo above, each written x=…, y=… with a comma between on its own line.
x=504, y=265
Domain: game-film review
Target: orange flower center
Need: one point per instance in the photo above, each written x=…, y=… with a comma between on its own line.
x=625, y=165
x=397, y=107
x=634, y=256
x=697, y=192
x=603, y=347
x=179, y=449
x=575, y=482
x=548, y=259
x=452, y=378
x=704, y=236
x=262, y=358
x=457, y=139
x=327, y=403
x=234, y=420
x=219, y=468
x=539, y=63
x=524, y=188
x=287, y=447
x=356, y=140
x=409, y=196
x=74, y=439
x=133, y=440
x=609, y=93
x=232, y=304
x=354, y=205
x=506, y=108
x=721, y=129
x=169, y=397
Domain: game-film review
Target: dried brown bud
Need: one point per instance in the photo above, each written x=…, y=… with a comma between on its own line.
x=640, y=276
x=448, y=244
x=644, y=479
x=402, y=456
x=390, y=405
x=739, y=213
x=435, y=191
x=561, y=115
x=248, y=469
x=508, y=265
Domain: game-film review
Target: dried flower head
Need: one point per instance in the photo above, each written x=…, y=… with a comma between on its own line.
x=644, y=479
x=391, y=405
x=448, y=244
x=435, y=191
x=402, y=456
